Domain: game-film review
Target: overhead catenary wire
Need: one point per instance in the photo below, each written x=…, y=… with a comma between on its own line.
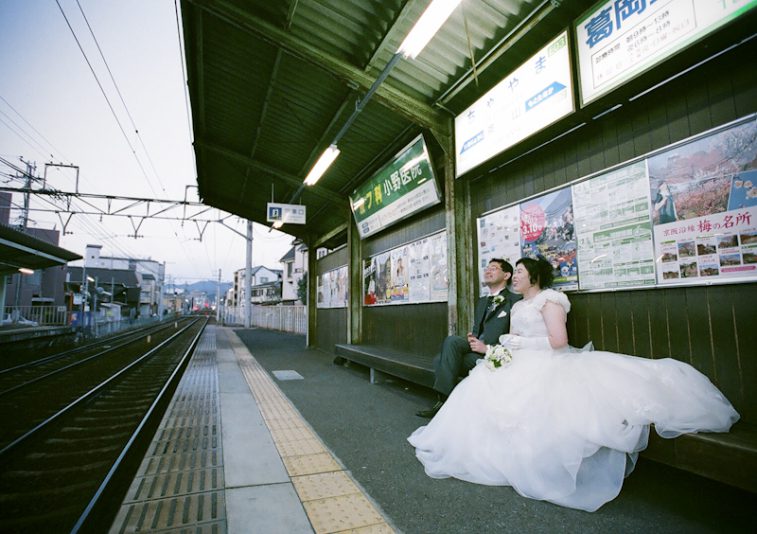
x=185, y=90
x=100, y=227
x=23, y=135
x=120, y=96
x=55, y=150
x=188, y=256
x=102, y=90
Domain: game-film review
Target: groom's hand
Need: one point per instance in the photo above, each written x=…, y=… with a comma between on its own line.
x=476, y=345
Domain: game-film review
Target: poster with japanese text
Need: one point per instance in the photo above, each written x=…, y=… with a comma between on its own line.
x=617, y=41
x=530, y=98
x=704, y=207
x=498, y=237
x=547, y=230
x=402, y=187
x=420, y=274
x=333, y=288
x=323, y=289
x=439, y=271
x=613, y=229
x=409, y=274
x=400, y=289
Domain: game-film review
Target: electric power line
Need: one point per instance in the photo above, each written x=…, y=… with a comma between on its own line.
x=102, y=90
x=183, y=71
x=23, y=135
x=118, y=91
x=50, y=145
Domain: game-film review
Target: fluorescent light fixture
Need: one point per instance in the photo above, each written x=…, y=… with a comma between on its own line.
x=24, y=270
x=358, y=203
x=278, y=224
x=323, y=163
x=432, y=19
x=90, y=279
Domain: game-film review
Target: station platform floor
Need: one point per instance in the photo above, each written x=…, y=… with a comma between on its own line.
x=266, y=436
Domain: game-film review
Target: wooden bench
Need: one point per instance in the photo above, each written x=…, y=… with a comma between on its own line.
x=729, y=458
x=410, y=367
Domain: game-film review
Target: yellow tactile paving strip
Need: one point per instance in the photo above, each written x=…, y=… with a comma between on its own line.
x=332, y=499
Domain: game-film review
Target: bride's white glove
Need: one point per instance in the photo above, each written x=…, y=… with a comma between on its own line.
x=511, y=341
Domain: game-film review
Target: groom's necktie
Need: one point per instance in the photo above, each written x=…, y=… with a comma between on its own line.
x=484, y=315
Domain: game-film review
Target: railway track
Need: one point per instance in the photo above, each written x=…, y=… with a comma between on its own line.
x=72, y=427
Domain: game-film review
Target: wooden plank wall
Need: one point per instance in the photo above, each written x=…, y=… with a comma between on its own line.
x=714, y=328
x=416, y=328
x=331, y=323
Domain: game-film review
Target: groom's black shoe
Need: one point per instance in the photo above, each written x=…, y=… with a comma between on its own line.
x=431, y=412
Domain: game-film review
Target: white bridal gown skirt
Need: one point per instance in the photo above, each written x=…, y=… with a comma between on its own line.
x=565, y=427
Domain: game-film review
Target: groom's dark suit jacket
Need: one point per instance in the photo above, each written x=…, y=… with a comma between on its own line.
x=456, y=357
x=490, y=324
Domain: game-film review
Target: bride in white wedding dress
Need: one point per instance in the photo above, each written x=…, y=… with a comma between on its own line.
x=561, y=425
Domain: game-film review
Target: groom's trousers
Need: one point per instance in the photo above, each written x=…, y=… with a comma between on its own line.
x=454, y=361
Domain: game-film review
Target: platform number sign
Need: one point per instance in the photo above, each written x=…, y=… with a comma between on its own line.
x=286, y=213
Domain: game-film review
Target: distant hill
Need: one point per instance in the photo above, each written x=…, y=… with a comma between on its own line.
x=204, y=286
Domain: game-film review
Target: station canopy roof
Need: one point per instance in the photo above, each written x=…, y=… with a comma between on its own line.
x=272, y=83
x=18, y=249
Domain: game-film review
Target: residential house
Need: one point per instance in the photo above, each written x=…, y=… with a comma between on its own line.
x=295, y=263
x=265, y=282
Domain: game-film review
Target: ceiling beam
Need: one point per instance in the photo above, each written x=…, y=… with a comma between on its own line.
x=285, y=177
x=389, y=97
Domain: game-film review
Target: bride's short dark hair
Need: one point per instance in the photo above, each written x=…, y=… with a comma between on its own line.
x=539, y=271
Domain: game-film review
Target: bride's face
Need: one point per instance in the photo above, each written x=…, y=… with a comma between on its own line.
x=521, y=282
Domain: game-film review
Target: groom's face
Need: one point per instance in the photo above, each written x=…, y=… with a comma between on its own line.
x=494, y=275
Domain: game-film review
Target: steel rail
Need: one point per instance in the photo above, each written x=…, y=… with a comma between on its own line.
x=86, y=396
x=130, y=337
x=117, y=463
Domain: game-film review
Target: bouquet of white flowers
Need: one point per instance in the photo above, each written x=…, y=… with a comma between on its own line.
x=497, y=356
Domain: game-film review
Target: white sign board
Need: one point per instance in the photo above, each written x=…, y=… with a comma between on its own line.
x=617, y=41
x=535, y=95
x=286, y=213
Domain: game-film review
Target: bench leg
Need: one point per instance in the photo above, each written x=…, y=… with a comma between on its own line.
x=376, y=376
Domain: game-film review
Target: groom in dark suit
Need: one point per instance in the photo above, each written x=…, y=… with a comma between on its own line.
x=492, y=319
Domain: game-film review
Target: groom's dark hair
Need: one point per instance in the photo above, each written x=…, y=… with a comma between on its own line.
x=505, y=266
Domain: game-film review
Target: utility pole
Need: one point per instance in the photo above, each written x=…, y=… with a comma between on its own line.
x=94, y=308
x=218, y=298
x=24, y=223
x=161, y=289
x=248, y=279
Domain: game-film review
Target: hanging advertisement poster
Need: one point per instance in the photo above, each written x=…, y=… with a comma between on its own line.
x=323, y=289
x=498, y=237
x=383, y=278
x=546, y=229
x=409, y=274
x=420, y=272
x=370, y=267
x=400, y=289
x=613, y=229
x=333, y=288
x=704, y=207
x=342, y=285
x=438, y=267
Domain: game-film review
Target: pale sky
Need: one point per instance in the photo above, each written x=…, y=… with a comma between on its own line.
x=52, y=110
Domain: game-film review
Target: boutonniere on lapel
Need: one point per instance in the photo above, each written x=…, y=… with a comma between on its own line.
x=496, y=301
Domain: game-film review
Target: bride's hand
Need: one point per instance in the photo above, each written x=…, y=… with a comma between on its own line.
x=511, y=341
